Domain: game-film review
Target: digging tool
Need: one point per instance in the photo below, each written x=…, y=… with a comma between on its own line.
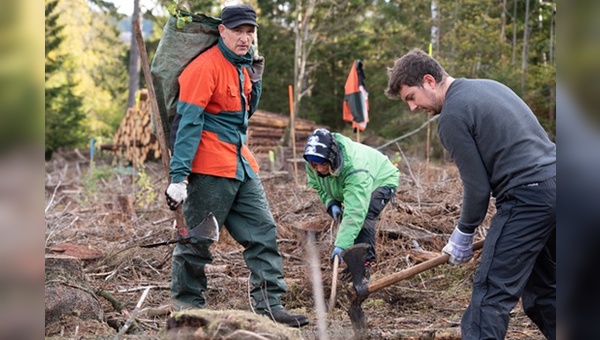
x=208, y=229
x=334, y=277
x=334, y=274
x=355, y=258
x=183, y=233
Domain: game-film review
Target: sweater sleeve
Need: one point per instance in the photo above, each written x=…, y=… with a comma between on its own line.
x=456, y=137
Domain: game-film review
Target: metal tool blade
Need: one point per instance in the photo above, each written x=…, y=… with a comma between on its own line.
x=207, y=229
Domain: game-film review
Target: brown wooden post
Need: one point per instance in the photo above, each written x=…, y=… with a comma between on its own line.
x=162, y=141
x=293, y=132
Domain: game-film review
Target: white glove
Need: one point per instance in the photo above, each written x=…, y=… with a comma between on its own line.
x=459, y=247
x=176, y=193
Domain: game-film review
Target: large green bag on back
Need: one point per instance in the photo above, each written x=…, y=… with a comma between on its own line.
x=176, y=49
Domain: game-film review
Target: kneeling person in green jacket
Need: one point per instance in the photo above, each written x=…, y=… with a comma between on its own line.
x=355, y=182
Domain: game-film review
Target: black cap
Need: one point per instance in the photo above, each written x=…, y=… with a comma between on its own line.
x=233, y=16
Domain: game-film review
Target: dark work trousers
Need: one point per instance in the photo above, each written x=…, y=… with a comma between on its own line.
x=379, y=199
x=518, y=261
x=243, y=209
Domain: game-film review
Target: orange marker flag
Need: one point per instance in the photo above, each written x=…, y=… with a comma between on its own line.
x=356, y=99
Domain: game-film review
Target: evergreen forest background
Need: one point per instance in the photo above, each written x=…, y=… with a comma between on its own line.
x=92, y=69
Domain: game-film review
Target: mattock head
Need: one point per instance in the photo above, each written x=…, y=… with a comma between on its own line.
x=355, y=258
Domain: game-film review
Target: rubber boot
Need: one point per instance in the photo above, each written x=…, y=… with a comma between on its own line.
x=282, y=316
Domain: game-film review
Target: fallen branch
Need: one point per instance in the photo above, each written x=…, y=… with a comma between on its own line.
x=408, y=231
x=428, y=333
x=116, y=304
x=166, y=219
x=417, y=183
x=52, y=197
x=245, y=334
x=213, y=269
x=156, y=311
x=409, y=134
x=136, y=289
x=131, y=318
x=292, y=257
x=420, y=255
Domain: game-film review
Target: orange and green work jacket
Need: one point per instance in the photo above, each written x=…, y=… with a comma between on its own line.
x=216, y=100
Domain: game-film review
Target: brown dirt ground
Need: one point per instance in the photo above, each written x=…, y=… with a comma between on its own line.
x=82, y=209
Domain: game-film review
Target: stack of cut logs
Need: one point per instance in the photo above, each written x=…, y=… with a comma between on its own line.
x=135, y=142
x=134, y=139
x=266, y=131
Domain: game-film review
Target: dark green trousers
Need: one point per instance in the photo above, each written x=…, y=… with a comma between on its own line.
x=243, y=209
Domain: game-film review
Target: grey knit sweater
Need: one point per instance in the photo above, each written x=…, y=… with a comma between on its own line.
x=496, y=142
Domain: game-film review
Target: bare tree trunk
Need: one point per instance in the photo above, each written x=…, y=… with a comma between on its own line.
x=134, y=58
x=552, y=30
x=514, y=38
x=552, y=110
x=303, y=44
x=454, y=17
x=297, y=56
x=434, y=45
x=297, y=76
x=503, y=30
x=434, y=26
x=525, y=50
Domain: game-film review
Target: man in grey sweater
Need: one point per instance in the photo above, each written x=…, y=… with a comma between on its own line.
x=500, y=148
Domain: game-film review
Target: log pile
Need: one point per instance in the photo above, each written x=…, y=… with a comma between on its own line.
x=134, y=139
x=266, y=131
x=135, y=142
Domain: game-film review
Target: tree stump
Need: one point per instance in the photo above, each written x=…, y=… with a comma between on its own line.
x=226, y=324
x=68, y=295
x=126, y=204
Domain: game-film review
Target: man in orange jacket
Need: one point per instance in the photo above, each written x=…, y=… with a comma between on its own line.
x=212, y=169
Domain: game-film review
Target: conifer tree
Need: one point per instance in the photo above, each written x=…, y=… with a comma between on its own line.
x=63, y=109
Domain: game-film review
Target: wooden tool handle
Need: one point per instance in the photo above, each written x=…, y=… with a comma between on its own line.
x=336, y=264
x=414, y=270
x=162, y=141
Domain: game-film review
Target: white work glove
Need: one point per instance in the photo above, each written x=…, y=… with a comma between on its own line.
x=459, y=247
x=258, y=66
x=176, y=193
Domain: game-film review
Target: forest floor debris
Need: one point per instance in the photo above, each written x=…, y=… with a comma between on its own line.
x=87, y=217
